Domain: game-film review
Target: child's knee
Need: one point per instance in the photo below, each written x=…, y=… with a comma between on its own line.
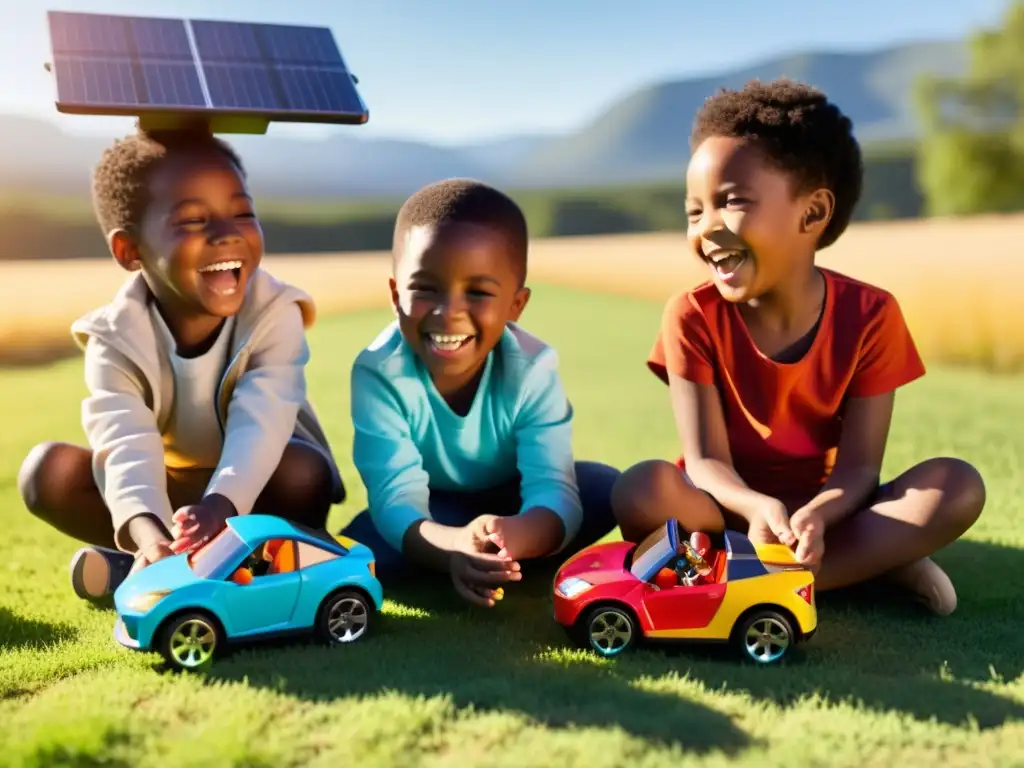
x=643, y=486
x=303, y=481
x=963, y=491
x=47, y=471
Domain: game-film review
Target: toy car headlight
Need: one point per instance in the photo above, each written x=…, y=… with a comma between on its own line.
x=573, y=586
x=143, y=602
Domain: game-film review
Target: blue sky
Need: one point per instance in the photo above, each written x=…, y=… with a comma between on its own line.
x=453, y=71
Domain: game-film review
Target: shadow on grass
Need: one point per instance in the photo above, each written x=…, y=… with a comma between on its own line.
x=487, y=662
x=20, y=632
x=877, y=648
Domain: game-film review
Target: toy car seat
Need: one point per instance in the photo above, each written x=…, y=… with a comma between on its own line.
x=242, y=576
x=284, y=557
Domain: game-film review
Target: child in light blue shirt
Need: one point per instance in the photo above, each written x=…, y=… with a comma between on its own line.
x=463, y=431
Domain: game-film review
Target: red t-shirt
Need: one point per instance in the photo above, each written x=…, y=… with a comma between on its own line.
x=783, y=419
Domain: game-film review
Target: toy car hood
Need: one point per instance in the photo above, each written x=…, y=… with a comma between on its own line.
x=599, y=564
x=167, y=574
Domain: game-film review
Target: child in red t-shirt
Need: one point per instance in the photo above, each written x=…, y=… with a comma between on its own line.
x=782, y=374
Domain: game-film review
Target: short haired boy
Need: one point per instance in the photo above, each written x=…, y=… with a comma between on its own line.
x=197, y=405
x=783, y=375
x=463, y=432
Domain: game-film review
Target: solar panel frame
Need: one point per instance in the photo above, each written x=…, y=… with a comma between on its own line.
x=149, y=66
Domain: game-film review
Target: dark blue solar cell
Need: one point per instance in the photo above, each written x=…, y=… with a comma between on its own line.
x=172, y=84
x=85, y=33
x=240, y=86
x=100, y=82
x=316, y=89
x=161, y=39
x=299, y=45
x=226, y=41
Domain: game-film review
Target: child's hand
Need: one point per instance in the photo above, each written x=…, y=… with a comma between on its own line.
x=151, y=541
x=196, y=524
x=772, y=525
x=810, y=532
x=516, y=537
x=476, y=570
x=478, y=577
x=150, y=552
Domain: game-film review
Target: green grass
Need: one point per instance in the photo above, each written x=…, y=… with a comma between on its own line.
x=882, y=684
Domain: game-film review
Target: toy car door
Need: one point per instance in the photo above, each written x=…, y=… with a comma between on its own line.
x=682, y=607
x=267, y=602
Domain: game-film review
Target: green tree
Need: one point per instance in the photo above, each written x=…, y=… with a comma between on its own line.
x=971, y=156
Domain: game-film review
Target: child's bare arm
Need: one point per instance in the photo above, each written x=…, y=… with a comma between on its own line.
x=128, y=453
x=700, y=423
x=859, y=456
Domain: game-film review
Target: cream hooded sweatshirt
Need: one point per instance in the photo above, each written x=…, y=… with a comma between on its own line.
x=260, y=402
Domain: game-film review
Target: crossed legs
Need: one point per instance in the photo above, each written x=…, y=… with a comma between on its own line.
x=922, y=510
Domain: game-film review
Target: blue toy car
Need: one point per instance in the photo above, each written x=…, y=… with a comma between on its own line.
x=261, y=576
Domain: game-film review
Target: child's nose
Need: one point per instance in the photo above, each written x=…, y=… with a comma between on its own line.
x=451, y=306
x=223, y=231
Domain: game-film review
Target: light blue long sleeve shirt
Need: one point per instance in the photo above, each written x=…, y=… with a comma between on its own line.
x=408, y=440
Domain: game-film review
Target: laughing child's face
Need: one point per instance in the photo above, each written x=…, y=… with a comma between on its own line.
x=746, y=221
x=454, y=289
x=199, y=240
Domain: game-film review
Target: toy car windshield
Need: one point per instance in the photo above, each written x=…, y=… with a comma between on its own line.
x=226, y=545
x=658, y=548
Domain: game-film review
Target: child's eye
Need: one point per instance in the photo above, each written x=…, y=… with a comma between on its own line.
x=193, y=222
x=737, y=201
x=247, y=215
x=693, y=214
x=480, y=292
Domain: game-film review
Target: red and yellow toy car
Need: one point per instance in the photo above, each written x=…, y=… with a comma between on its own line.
x=611, y=595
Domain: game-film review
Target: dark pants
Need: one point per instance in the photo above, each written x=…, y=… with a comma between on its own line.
x=454, y=508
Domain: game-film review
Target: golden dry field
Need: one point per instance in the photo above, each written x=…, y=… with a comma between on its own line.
x=955, y=279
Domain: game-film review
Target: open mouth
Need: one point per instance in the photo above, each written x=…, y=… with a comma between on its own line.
x=448, y=343
x=223, y=277
x=727, y=263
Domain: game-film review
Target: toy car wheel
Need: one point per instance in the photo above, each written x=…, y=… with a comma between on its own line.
x=765, y=637
x=189, y=641
x=609, y=630
x=344, y=618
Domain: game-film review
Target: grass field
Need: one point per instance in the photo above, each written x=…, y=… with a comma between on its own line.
x=882, y=684
x=955, y=280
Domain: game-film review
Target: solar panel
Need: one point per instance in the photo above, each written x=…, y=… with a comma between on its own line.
x=241, y=86
x=91, y=81
x=226, y=41
x=161, y=39
x=237, y=76
x=295, y=45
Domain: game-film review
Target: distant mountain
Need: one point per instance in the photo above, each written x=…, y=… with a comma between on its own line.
x=642, y=137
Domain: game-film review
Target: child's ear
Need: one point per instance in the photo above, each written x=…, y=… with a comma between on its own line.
x=820, y=206
x=393, y=286
x=519, y=303
x=125, y=250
